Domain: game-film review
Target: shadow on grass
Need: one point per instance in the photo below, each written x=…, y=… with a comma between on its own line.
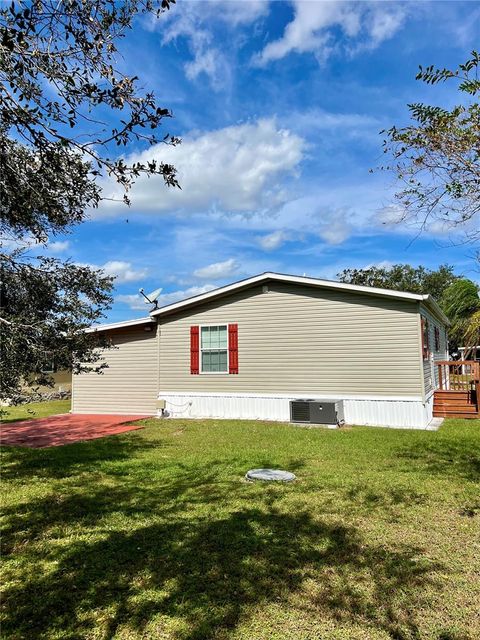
x=447, y=453
x=85, y=502
x=57, y=462
x=388, y=500
x=170, y=553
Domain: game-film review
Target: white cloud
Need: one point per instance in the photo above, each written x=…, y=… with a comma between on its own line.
x=28, y=242
x=218, y=270
x=120, y=270
x=390, y=215
x=273, y=240
x=236, y=12
x=59, y=246
x=236, y=169
x=384, y=24
x=333, y=214
x=196, y=22
x=315, y=28
x=134, y=301
x=336, y=227
x=176, y=296
x=137, y=303
x=465, y=32
x=383, y=264
x=207, y=59
x=396, y=218
x=15, y=244
x=123, y=271
x=209, y=62
x=349, y=124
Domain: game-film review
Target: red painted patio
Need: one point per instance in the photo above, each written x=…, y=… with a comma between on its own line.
x=56, y=431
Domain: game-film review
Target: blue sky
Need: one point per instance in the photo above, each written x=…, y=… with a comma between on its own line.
x=279, y=105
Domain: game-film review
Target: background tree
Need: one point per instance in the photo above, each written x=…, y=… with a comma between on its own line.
x=436, y=159
x=403, y=277
x=461, y=303
x=65, y=111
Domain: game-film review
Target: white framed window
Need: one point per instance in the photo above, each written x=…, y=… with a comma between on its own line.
x=214, y=348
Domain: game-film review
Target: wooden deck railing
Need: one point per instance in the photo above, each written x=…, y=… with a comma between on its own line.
x=458, y=375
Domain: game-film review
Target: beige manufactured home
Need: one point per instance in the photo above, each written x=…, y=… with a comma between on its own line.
x=61, y=381
x=247, y=349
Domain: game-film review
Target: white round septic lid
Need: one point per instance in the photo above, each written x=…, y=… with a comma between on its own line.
x=270, y=475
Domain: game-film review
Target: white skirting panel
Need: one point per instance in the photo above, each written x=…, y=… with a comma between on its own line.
x=405, y=413
x=428, y=408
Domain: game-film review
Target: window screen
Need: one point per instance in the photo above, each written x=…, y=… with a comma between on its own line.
x=214, y=348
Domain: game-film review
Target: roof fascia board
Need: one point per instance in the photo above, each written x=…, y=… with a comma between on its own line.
x=119, y=325
x=331, y=284
x=434, y=307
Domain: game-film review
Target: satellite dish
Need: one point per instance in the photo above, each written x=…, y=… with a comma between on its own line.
x=151, y=298
x=154, y=295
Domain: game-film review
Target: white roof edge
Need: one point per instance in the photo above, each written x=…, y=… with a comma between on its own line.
x=435, y=307
x=119, y=325
x=280, y=277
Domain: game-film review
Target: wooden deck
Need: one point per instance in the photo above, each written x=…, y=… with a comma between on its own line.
x=458, y=394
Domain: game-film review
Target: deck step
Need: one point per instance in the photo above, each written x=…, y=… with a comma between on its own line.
x=456, y=408
x=453, y=403
x=452, y=394
x=446, y=414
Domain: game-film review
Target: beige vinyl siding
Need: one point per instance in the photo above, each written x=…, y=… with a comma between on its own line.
x=430, y=372
x=130, y=383
x=301, y=340
x=62, y=381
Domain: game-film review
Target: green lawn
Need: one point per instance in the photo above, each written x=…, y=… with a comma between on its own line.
x=156, y=535
x=34, y=410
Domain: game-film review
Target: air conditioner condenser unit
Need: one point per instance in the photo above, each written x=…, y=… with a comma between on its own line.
x=317, y=411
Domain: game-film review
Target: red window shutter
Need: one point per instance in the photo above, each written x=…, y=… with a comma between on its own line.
x=437, y=339
x=233, y=348
x=194, y=350
x=425, y=339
